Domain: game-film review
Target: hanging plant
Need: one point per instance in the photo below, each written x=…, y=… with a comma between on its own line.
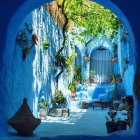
x=25, y=52
x=22, y=39
x=35, y=39
x=45, y=45
x=69, y=60
x=60, y=60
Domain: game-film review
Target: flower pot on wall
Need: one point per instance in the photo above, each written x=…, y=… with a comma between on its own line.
x=35, y=39
x=114, y=60
x=58, y=63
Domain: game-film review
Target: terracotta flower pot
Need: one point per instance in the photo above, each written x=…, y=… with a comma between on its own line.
x=35, y=39
x=43, y=112
x=73, y=93
x=58, y=63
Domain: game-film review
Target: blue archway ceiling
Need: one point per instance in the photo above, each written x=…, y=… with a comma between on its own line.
x=8, y=8
x=131, y=9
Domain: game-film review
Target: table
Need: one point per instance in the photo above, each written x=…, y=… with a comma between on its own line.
x=100, y=103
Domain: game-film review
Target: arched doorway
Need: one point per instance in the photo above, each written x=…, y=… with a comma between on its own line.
x=100, y=63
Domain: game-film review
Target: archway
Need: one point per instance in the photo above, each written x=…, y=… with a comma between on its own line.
x=100, y=63
x=11, y=39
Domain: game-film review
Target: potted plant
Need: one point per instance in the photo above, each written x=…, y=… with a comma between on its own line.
x=43, y=109
x=111, y=77
x=110, y=123
x=59, y=99
x=91, y=76
x=113, y=124
x=35, y=39
x=60, y=60
x=78, y=74
x=114, y=59
x=72, y=88
x=69, y=60
x=45, y=45
x=119, y=79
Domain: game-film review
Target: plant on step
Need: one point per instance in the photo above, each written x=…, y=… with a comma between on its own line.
x=45, y=45
x=43, y=108
x=91, y=75
x=111, y=77
x=72, y=88
x=59, y=98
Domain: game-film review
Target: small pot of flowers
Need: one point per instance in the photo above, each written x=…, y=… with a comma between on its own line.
x=72, y=88
x=43, y=109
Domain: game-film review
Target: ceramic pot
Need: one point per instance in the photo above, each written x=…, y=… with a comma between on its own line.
x=23, y=121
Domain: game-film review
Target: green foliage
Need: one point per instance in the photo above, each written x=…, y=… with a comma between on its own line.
x=96, y=20
x=22, y=38
x=78, y=73
x=43, y=104
x=69, y=60
x=72, y=86
x=59, y=98
x=45, y=45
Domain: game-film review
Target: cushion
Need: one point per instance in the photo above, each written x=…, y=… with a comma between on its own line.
x=122, y=107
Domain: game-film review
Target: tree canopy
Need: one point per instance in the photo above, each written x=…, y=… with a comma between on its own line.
x=95, y=19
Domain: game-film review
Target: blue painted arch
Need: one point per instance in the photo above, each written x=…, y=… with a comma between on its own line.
x=97, y=42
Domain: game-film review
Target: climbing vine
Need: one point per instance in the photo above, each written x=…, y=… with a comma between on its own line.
x=94, y=18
